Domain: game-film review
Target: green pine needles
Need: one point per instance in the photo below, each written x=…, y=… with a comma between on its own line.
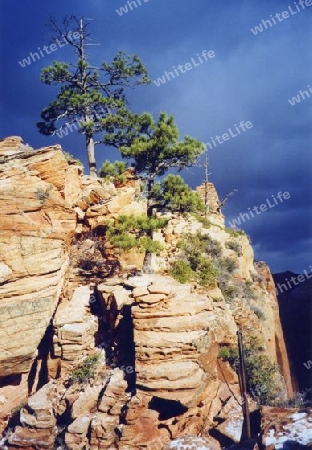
x=174, y=194
x=92, y=97
x=114, y=171
x=157, y=149
x=128, y=232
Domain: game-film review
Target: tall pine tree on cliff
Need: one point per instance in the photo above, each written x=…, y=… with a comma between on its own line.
x=92, y=95
x=156, y=150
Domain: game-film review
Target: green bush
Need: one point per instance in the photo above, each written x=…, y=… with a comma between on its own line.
x=174, y=194
x=299, y=400
x=234, y=233
x=212, y=247
x=115, y=171
x=131, y=231
x=248, y=291
x=86, y=370
x=43, y=194
x=235, y=246
x=260, y=371
x=207, y=275
x=259, y=313
x=227, y=264
x=182, y=271
x=198, y=244
x=196, y=250
x=69, y=157
x=229, y=291
x=224, y=353
x=205, y=222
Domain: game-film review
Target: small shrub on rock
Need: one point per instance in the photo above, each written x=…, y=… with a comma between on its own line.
x=260, y=371
x=234, y=233
x=114, y=171
x=70, y=158
x=248, y=291
x=299, y=400
x=195, y=249
x=174, y=194
x=182, y=272
x=207, y=275
x=86, y=370
x=229, y=291
x=42, y=194
x=259, y=313
x=227, y=264
x=235, y=246
x=91, y=262
x=132, y=231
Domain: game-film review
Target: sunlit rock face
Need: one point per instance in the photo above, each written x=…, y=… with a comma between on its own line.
x=159, y=382
x=36, y=226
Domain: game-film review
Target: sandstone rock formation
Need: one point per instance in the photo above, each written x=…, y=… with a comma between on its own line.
x=37, y=223
x=38, y=421
x=158, y=376
x=74, y=327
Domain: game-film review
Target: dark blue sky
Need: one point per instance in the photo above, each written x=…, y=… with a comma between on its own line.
x=251, y=79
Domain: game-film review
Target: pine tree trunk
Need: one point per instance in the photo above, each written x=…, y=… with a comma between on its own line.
x=91, y=155
x=149, y=187
x=206, y=186
x=147, y=267
x=147, y=263
x=206, y=200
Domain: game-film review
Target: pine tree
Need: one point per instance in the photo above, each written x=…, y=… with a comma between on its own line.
x=157, y=149
x=173, y=193
x=92, y=95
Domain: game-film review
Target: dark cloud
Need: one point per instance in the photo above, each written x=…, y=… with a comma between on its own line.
x=251, y=78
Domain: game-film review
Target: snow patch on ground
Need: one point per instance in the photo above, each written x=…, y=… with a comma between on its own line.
x=297, y=416
x=234, y=429
x=300, y=430
x=189, y=443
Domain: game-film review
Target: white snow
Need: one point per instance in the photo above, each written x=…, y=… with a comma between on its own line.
x=299, y=431
x=297, y=416
x=179, y=444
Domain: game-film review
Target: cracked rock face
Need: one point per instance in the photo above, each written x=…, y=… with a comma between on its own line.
x=35, y=229
x=36, y=224
x=171, y=332
x=167, y=334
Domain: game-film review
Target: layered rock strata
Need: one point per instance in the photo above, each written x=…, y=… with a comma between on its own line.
x=37, y=223
x=163, y=337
